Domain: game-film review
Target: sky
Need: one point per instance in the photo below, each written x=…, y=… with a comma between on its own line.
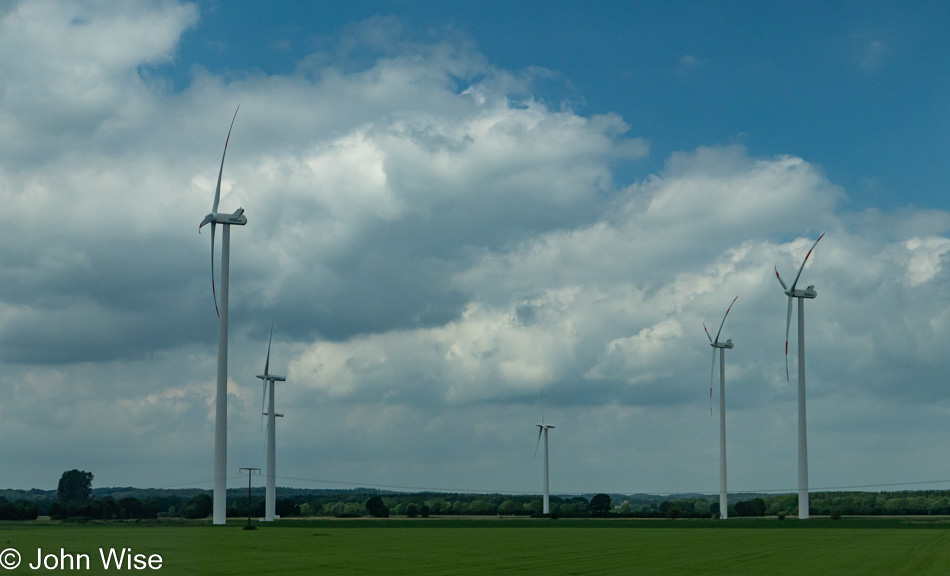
x=454, y=208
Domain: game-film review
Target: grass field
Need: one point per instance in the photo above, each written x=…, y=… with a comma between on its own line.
x=470, y=546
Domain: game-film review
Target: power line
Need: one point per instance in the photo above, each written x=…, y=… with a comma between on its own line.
x=658, y=492
x=446, y=490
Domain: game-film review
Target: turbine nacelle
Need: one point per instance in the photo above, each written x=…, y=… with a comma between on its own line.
x=806, y=293
x=272, y=377
x=544, y=426
x=276, y=415
x=728, y=345
x=237, y=218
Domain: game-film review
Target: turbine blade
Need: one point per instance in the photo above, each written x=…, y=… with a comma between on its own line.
x=217, y=190
x=266, y=434
x=263, y=398
x=542, y=406
x=707, y=333
x=213, y=292
x=806, y=260
x=267, y=362
x=788, y=323
x=540, y=430
x=780, y=281
x=712, y=373
x=724, y=318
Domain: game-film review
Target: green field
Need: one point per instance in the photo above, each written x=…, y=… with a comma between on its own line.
x=493, y=546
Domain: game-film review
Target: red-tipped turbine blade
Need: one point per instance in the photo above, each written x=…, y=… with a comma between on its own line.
x=780, y=281
x=707, y=333
x=213, y=291
x=795, y=283
x=788, y=323
x=540, y=430
x=724, y=318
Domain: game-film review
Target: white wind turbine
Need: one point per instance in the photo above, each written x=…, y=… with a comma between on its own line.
x=221, y=393
x=270, y=494
x=802, y=435
x=722, y=346
x=543, y=429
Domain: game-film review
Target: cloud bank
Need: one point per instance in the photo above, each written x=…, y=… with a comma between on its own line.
x=436, y=246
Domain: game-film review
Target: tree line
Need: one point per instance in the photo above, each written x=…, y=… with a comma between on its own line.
x=75, y=497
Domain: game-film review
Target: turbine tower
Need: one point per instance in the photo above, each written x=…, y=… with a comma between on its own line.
x=722, y=346
x=543, y=429
x=221, y=393
x=802, y=435
x=270, y=494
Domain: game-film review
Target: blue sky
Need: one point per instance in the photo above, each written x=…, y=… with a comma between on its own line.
x=856, y=87
x=452, y=209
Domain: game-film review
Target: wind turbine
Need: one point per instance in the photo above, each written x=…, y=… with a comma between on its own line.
x=802, y=435
x=543, y=429
x=270, y=494
x=722, y=346
x=221, y=393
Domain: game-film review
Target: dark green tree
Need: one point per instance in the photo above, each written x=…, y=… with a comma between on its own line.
x=600, y=505
x=285, y=508
x=130, y=508
x=75, y=488
x=19, y=510
x=754, y=507
x=412, y=511
x=510, y=508
x=199, y=506
x=377, y=508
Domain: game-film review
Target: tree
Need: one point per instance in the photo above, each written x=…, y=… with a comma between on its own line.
x=481, y=507
x=109, y=508
x=600, y=505
x=377, y=508
x=285, y=508
x=510, y=508
x=199, y=506
x=424, y=511
x=131, y=508
x=75, y=488
x=701, y=508
x=534, y=507
x=19, y=510
x=754, y=507
x=411, y=511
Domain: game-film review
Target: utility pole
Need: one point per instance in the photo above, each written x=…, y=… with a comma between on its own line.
x=250, y=472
